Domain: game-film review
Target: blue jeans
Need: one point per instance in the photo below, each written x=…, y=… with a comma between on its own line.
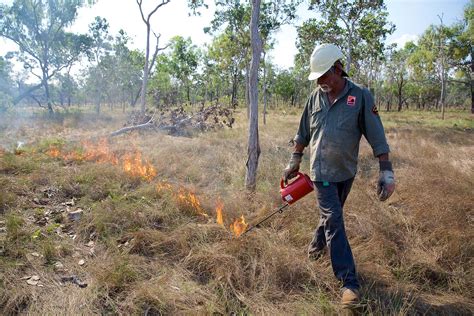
x=331, y=232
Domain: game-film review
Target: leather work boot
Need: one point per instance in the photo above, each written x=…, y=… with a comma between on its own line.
x=350, y=298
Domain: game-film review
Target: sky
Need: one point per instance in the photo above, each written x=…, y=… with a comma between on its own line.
x=411, y=18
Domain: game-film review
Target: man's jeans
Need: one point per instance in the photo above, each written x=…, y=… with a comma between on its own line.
x=331, y=231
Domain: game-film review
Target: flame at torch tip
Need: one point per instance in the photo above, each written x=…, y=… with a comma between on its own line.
x=239, y=226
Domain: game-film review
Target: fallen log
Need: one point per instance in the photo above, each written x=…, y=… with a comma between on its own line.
x=127, y=129
x=175, y=121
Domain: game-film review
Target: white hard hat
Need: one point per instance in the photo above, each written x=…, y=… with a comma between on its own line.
x=323, y=58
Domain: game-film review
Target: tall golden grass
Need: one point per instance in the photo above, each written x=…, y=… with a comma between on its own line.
x=148, y=252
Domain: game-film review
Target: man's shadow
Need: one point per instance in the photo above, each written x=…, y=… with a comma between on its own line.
x=379, y=298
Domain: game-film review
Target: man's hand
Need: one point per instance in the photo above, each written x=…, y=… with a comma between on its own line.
x=293, y=166
x=386, y=183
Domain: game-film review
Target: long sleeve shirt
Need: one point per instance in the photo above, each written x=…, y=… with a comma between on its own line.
x=333, y=132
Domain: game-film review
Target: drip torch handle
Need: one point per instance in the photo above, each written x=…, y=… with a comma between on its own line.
x=282, y=183
x=278, y=210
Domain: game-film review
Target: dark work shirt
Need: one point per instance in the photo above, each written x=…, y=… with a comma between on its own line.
x=333, y=132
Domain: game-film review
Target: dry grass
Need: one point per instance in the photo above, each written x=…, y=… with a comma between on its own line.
x=146, y=251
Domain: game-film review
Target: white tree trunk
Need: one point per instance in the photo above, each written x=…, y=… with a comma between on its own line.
x=264, y=90
x=145, y=70
x=253, y=142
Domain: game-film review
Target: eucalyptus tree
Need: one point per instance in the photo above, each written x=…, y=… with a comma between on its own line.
x=194, y=5
x=6, y=83
x=234, y=17
x=359, y=27
x=397, y=73
x=184, y=59
x=253, y=147
x=163, y=90
x=462, y=50
x=66, y=89
x=285, y=86
x=422, y=67
x=45, y=48
x=274, y=15
x=100, y=49
x=433, y=59
x=127, y=70
x=216, y=72
x=146, y=68
x=228, y=58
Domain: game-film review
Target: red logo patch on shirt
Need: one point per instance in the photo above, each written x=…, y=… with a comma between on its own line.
x=351, y=100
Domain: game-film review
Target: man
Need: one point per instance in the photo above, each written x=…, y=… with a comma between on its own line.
x=335, y=117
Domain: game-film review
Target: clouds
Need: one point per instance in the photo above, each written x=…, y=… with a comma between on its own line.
x=403, y=39
x=170, y=20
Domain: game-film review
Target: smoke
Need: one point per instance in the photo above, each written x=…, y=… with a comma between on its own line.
x=12, y=122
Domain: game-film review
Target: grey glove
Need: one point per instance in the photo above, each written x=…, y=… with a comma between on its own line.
x=293, y=167
x=386, y=183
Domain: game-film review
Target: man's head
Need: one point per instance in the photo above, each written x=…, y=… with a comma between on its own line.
x=326, y=66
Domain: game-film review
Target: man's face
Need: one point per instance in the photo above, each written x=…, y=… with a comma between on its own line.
x=328, y=80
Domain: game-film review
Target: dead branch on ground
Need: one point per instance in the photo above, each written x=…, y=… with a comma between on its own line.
x=178, y=121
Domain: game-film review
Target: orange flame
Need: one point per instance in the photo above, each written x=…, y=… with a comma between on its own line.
x=239, y=226
x=162, y=186
x=190, y=199
x=101, y=152
x=135, y=166
x=219, y=212
x=53, y=152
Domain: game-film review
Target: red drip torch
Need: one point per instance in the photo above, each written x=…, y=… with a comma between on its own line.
x=290, y=193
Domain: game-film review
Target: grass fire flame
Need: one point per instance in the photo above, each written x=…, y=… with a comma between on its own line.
x=190, y=199
x=100, y=152
x=239, y=226
x=219, y=213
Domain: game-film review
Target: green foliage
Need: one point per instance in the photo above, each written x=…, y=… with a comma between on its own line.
x=49, y=251
x=14, y=226
x=162, y=88
x=13, y=164
x=285, y=85
x=119, y=275
x=37, y=27
x=183, y=62
x=6, y=84
x=359, y=27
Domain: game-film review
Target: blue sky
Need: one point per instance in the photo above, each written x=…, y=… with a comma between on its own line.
x=411, y=18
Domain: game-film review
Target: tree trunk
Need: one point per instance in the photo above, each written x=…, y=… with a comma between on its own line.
x=443, y=92
x=400, y=91
x=472, y=96
x=349, y=48
x=234, y=90
x=48, y=99
x=247, y=87
x=264, y=90
x=472, y=81
x=253, y=141
x=145, y=70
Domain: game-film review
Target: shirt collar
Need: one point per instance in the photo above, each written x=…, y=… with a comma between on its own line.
x=347, y=86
